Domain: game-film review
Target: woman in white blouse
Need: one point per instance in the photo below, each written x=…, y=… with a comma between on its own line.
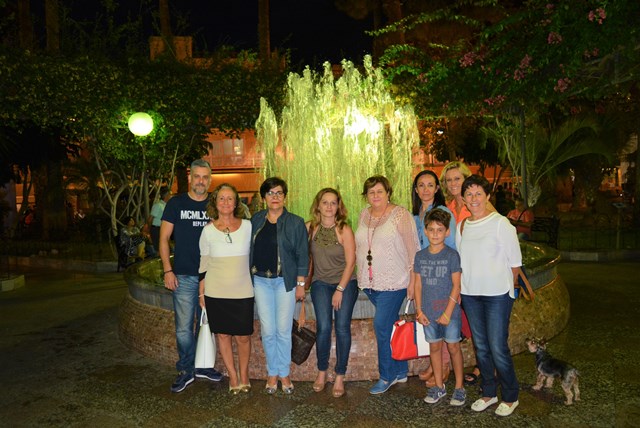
x=225, y=281
x=490, y=257
x=386, y=244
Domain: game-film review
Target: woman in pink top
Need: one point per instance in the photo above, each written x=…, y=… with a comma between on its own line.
x=386, y=244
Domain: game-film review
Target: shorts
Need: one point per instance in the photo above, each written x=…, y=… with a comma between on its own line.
x=450, y=333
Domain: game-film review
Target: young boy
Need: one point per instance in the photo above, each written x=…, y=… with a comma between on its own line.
x=437, y=291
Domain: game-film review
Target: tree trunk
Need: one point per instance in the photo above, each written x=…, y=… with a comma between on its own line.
x=393, y=11
x=25, y=25
x=165, y=20
x=52, y=19
x=264, y=31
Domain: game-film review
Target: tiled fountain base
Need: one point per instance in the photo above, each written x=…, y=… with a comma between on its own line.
x=150, y=330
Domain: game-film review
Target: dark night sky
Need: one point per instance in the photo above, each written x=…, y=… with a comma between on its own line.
x=314, y=30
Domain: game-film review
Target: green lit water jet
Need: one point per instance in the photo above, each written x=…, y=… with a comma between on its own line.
x=337, y=133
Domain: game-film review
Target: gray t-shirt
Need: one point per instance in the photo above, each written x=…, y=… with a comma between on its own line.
x=435, y=273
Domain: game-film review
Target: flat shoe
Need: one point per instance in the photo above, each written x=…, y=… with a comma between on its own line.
x=235, y=390
x=245, y=387
x=505, y=410
x=479, y=405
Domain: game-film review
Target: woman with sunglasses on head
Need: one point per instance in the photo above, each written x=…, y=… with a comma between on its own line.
x=451, y=178
x=279, y=265
x=334, y=290
x=225, y=282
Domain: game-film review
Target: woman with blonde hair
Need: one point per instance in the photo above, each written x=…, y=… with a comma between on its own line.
x=451, y=179
x=225, y=281
x=334, y=290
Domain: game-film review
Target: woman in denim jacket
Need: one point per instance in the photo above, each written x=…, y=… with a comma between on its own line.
x=279, y=265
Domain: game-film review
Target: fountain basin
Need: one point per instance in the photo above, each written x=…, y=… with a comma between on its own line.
x=146, y=321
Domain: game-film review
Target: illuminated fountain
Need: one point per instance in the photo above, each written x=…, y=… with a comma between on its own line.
x=337, y=133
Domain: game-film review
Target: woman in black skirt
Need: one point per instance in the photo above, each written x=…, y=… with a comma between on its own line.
x=225, y=281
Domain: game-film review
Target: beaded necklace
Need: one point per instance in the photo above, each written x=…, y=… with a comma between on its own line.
x=370, y=234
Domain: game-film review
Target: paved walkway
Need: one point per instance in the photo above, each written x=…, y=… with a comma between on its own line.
x=63, y=366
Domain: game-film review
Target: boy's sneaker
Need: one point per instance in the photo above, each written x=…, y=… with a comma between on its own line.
x=211, y=374
x=459, y=397
x=434, y=395
x=182, y=381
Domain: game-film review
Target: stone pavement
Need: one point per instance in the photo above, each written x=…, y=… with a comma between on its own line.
x=63, y=366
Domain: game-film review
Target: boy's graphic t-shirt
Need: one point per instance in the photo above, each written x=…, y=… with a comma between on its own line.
x=435, y=273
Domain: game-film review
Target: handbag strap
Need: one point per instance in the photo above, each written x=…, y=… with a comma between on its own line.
x=302, y=318
x=406, y=308
x=529, y=295
x=203, y=317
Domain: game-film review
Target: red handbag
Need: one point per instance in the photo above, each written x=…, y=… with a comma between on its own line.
x=407, y=338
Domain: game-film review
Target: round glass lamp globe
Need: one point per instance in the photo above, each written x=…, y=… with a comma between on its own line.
x=140, y=124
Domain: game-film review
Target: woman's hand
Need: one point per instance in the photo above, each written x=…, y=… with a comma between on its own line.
x=300, y=293
x=201, y=301
x=336, y=300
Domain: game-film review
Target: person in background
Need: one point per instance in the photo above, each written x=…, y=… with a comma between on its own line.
x=334, y=290
x=490, y=257
x=386, y=244
x=437, y=282
x=426, y=196
x=131, y=239
x=279, y=265
x=522, y=218
x=225, y=285
x=155, y=218
x=184, y=217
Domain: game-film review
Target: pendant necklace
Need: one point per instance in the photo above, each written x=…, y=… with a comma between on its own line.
x=370, y=240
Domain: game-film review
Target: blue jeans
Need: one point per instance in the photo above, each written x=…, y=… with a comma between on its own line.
x=489, y=321
x=187, y=309
x=321, y=295
x=275, y=309
x=387, y=304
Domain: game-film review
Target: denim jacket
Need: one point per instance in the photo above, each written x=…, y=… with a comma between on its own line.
x=293, y=245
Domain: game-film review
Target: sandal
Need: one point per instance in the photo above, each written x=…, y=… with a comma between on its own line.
x=471, y=378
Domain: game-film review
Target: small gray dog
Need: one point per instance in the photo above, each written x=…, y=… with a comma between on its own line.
x=550, y=368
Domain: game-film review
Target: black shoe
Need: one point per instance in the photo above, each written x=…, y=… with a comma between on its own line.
x=182, y=381
x=211, y=374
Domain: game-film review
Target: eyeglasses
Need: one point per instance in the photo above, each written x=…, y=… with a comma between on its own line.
x=272, y=194
x=227, y=236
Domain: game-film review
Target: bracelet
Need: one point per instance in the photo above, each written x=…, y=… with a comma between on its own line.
x=166, y=272
x=201, y=295
x=446, y=316
x=339, y=288
x=300, y=283
x=453, y=300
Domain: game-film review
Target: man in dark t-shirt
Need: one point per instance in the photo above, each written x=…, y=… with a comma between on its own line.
x=185, y=216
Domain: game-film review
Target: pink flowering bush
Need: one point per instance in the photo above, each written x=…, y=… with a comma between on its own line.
x=562, y=85
x=597, y=15
x=554, y=38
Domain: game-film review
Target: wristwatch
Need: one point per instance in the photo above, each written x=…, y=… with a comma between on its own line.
x=339, y=288
x=300, y=283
